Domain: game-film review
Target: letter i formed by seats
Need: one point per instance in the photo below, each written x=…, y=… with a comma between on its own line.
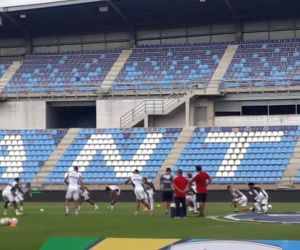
x=13, y=161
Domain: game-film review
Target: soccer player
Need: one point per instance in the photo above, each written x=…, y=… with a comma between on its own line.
x=85, y=194
x=238, y=198
x=150, y=189
x=191, y=195
x=181, y=186
x=166, y=187
x=113, y=194
x=139, y=190
x=202, y=180
x=261, y=198
x=8, y=195
x=74, y=181
x=25, y=189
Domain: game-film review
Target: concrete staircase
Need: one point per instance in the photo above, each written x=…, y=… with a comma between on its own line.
x=8, y=74
x=175, y=152
x=114, y=71
x=55, y=157
x=291, y=171
x=220, y=71
x=148, y=107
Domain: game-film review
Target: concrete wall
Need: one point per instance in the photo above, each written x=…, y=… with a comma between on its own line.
x=261, y=120
x=174, y=120
x=23, y=115
x=110, y=111
x=236, y=106
x=250, y=30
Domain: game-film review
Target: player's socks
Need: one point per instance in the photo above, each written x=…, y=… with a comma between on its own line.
x=96, y=207
x=18, y=213
x=151, y=211
x=5, y=212
x=136, y=213
x=76, y=212
x=21, y=208
x=66, y=211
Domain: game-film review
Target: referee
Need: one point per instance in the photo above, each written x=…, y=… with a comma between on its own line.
x=166, y=181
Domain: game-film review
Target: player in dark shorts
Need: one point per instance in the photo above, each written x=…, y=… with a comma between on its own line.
x=202, y=180
x=113, y=193
x=167, y=191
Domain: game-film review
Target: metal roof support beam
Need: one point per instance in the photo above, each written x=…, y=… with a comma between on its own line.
x=127, y=22
x=236, y=18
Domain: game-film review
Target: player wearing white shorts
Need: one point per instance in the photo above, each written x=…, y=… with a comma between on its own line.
x=238, y=198
x=191, y=194
x=19, y=197
x=74, y=181
x=261, y=198
x=149, y=187
x=139, y=190
x=85, y=195
x=113, y=193
x=8, y=195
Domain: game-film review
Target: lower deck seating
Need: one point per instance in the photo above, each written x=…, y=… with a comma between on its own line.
x=110, y=155
x=240, y=155
x=23, y=152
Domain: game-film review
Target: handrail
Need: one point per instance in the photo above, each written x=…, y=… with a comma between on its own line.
x=153, y=106
x=178, y=88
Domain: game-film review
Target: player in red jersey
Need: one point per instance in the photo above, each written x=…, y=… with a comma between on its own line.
x=202, y=180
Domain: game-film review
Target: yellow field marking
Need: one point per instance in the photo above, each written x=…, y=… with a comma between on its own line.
x=132, y=244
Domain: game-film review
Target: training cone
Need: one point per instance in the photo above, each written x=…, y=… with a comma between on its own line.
x=13, y=225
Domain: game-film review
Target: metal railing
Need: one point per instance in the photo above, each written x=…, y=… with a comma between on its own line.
x=159, y=89
x=130, y=89
x=150, y=107
x=52, y=92
x=260, y=85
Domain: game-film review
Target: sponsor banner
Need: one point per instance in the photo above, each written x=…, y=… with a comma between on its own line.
x=166, y=244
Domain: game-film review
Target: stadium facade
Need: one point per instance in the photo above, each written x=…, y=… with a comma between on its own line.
x=226, y=66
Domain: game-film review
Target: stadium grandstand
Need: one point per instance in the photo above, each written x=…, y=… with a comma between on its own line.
x=114, y=86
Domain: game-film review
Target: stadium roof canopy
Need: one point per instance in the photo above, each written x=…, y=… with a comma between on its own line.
x=46, y=17
x=14, y=5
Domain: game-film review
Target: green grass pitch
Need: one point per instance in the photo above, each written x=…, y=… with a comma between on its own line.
x=35, y=227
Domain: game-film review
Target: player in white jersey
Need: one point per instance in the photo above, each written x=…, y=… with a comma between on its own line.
x=113, y=192
x=8, y=195
x=19, y=197
x=191, y=195
x=139, y=190
x=238, y=198
x=85, y=195
x=150, y=189
x=261, y=198
x=74, y=181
